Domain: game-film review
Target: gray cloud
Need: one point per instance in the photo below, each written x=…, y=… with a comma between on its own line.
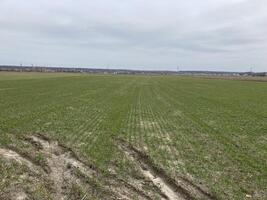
x=208, y=35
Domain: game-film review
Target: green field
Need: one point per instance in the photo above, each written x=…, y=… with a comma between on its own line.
x=212, y=131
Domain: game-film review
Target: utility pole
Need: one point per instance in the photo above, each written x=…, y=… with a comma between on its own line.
x=251, y=73
x=20, y=69
x=178, y=69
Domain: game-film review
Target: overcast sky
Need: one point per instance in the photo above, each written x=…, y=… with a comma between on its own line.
x=136, y=34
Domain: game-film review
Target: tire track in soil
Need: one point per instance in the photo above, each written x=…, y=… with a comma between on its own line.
x=59, y=164
x=59, y=168
x=13, y=155
x=181, y=189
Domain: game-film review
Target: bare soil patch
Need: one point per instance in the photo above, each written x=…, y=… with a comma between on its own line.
x=68, y=177
x=172, y=189
x=60, y=163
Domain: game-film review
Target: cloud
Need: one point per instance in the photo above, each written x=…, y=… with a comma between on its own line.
x=208, y=35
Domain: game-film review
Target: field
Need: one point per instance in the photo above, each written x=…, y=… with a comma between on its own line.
x=199, y=138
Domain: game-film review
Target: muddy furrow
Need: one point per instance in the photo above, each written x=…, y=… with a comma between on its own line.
x=166, y=191
x=12, y=155
x=9, y=154
x=52, y=148
x=135, y=189
x=60, y=163
x=63, y=168
x=181, y=189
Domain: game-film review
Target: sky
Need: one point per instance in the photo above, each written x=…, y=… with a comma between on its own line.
x=224, y=35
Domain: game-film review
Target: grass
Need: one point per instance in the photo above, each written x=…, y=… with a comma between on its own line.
x=213, y=130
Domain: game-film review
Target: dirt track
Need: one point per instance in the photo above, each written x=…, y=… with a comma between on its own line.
x=171, y=189
x=63, y=169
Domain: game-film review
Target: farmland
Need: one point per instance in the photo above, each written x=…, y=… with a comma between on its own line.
x=209, y=131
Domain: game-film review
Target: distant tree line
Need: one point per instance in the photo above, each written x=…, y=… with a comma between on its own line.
x=123, y=71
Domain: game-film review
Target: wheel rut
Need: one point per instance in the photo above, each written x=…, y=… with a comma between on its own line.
x=61, y=168
x=58, y=166
x=171, y=189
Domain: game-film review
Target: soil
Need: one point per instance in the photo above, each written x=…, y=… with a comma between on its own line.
x=180, y=189
x=66, y=176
